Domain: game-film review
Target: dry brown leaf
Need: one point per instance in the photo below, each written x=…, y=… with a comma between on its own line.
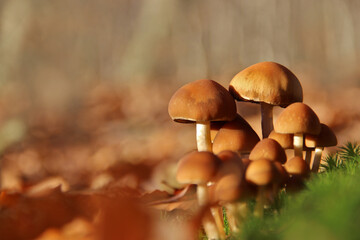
x=123, y=218
x=77, y=229
x=27, y=217
x=183, y=199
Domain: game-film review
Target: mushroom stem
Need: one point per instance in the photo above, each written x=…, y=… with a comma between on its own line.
x=260, y=200
x=209, y=223
x=202, y=194
x=298, y=144
x=308, y=157
x=203, y=138
x=218, y=217
x=210, y=226
x=266, y=119
x=317, y=159
x=236, y=213
x=232, y=217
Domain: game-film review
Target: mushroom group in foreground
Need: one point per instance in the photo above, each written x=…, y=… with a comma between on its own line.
x=231, y=164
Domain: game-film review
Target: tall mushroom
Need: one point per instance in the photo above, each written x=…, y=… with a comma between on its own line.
x=236, y=135
x=270, y=84
x=200, y=102
x=326, y=138
x=298, y=119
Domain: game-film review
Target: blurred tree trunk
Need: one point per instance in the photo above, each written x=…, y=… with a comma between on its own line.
x=14, y=23
x=150, y=36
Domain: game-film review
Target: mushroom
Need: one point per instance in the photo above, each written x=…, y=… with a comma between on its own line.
x=261, y=173
x=281, y=179
x=285, y=140
x=230, y=188
x=326, y=138
x=270, y=84
x=231, y=171
x=202, y=101
x=270, y=149
x=214, y=129
x=231, y=162
x=298, y=119
x=199, y=168
x=297, y=169
x=236, y=135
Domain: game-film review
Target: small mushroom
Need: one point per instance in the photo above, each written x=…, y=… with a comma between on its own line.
x=200, y=102
x=228, y=191
x=285, y=140
x=231, y=167
x=298, y=119
x=231, y=162
x=236, y=135
x=231, y=189
x=270, y=84
x=326, y=138
x=214, y=129
x=270, y=149
x=296, y=167
x=281, y=179
x=199, y=168
x=261, y=173
x=298, y=170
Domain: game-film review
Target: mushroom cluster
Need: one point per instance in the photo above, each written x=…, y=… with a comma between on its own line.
x=232, y=164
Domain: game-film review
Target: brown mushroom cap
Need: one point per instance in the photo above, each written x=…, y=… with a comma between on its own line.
x=267, y=82
x=270, y=149
x=236, y=135
x=296, y=166
x=201, y=101
x=228, y=155
x=214, y=128
x=260, y=172
x=230, y=164
x=197, y=168
x=298, y=118
x=228, y=188
x=285, y=140
x=326, y=138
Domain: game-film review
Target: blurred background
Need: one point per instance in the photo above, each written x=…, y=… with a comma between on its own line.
x=84, y=85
